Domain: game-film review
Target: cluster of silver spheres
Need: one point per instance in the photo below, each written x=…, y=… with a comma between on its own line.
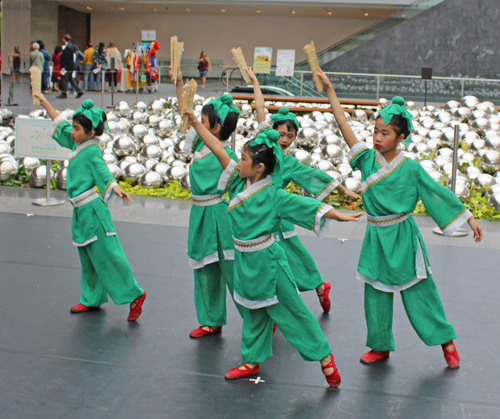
x=144, y=144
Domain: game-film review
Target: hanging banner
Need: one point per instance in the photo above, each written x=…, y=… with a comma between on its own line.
x=285, y=62
x=148, y=35
x=33, y=140
x=262, y=60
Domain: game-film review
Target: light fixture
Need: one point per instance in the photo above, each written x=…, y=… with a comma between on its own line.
x=366, y=13
x=329, y=13
x=89, y=8
x=257, y=11
x=121, y=8
x=155, y=10
x=403, y=15
x=223, y=10
x=293, y=12
x=188, y=10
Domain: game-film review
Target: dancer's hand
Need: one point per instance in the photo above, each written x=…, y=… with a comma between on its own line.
x=179, y=73
x=324, y=78
x=476, y=228
x=343, y=216
x=41, y=97
x=347, y=192
x=122, y=194
x=191, y=116
x=251, y=74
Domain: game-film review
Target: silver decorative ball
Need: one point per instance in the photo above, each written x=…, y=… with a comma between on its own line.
x=61, y=178
x=134, y=171
x=302, y=156
x=151, y=180
x=176, y=172
x=139, y=131
x=122, y=109
x=124, y=146
x=29, y=163
x=38, y=176
x=185, y=182
x=115, y=170
x=353, y=184
x=8, y=168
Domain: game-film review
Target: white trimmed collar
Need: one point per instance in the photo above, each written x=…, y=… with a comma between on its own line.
x=250, y=190
x=387, y=169
x=82, y=146
x=205, y=151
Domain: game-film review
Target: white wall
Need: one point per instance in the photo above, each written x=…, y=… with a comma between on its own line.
x=217, y=34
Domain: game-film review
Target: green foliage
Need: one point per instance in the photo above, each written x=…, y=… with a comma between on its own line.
x=21, y=178
x=173, y=190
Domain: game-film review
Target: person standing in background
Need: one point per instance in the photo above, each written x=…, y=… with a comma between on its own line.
x=204, y=67
x=56, y=75
x=100, y=62
x=16, y=64
x=67, y=68
x=88, y=67
x=113, y=52
x=36, y=57
x=46, y=68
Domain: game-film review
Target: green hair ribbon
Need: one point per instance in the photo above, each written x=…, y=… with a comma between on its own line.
x=223, y=105
x=89, y=111
x=270, y=138
x=284, y=114
x=398, y=108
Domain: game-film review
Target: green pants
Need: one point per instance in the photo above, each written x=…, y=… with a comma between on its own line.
x=210, y=290
x=106, y=271
x=293, y=318
x=304, y=269
x=423, y=307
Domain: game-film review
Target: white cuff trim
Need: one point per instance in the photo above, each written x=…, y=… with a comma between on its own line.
x=93, y=239
x=253, y=305
x=200, y=263
x=189, y=140
x=228, y=254
x=457, y=223
x=260, y=127
x=322, y=230
x=289, y=234
x=356, y=148
x=111, y=234
x=227, y=175
x=388, y=288
x=325, y=192
x=55, y=123
x=109, y=191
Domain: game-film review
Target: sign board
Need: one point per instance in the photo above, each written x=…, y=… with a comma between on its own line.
x=285, y=62
x=262, y=60
x=148, y=35
x=33, y=140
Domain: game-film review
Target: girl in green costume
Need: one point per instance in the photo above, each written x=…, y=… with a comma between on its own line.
x=263, y=281
x=393, y=257
x=105, y=268
x=210, y=245
x=314, y=181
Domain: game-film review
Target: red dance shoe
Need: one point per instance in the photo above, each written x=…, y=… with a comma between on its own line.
x=235, y=373
x=452, y=357
x=80, y=308
x=326, y=303
x=136, y=308
x=334, y=378
x=200, y=332
x=274, y=329
x=372, y=356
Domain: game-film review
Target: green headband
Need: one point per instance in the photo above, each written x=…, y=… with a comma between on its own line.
x=89, y=111
x=270, y=138
x=398, y=108
x=284, y=114
x=223, y=105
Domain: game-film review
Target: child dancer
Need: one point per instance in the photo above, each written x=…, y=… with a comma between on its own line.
x=210, y=245
x=105, y=268
x=393, y=257
x=314, y=181
x=263, y=280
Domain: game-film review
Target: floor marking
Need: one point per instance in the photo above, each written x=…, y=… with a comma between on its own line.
x=257, y=381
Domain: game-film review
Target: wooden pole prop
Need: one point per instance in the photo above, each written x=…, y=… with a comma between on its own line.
x=176, y=49
x=189, y=92
x=36, y=83
x=312, y=59
x=242, y=64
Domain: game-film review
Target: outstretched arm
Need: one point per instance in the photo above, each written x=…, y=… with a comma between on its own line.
x=338, y=112
x=48, y=107
x=343, y=216
x=476, y=228
x=347, y=192
x=209, y=139
x=260, y=104
x=179, y=86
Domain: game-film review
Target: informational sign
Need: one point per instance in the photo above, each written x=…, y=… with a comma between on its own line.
x=285, y=62
x=148, y=35
x=262, y=60
x=33, y=140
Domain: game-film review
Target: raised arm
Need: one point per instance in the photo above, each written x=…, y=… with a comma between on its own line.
x=209, y=139
x=179, y=87
x=338, y=112
x=48, y=107
x=260, y=104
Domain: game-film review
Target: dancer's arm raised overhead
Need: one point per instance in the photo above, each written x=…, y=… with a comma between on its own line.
x=260, y=104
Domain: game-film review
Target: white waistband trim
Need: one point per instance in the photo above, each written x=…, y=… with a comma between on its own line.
x=207, y=200
x=84, y=198
x=386, y=220
x=254, y=245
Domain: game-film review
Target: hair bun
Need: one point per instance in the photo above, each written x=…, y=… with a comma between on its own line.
x=273, y=135
x=88, y=104
x=284, y=110
x=226, y=99
x=398, y=100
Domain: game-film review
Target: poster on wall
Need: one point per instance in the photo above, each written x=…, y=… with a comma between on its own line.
x=33, y=140
x=285, y=62
x=148, y=35
x=262, y=60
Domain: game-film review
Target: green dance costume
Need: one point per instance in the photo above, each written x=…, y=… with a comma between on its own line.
x=393, y=256
x=105, y=268
x=263, y=280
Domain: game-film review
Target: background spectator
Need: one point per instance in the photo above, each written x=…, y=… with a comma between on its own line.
x=113, y=52
x=46, y=68
x=88, y=67
x=100, y=62
x=16, y=64
x=204, y=67
x=67, y=68
x=56, y=75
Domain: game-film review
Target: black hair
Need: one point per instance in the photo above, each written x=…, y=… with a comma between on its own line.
x=261, y=153
x=400, y=125
x=41, y=44
x=87, y=124
x=67, y=38
x=100, y=47
x=227, y=127
x=289, y=124
x=57, y=49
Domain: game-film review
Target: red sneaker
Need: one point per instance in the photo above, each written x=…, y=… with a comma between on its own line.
x=200, y=332
x=80, y=308
x=334, y=378
x=274, y=329
x=451, y=355
x=326, y=303
x=372, y=356
x=235, y=373
x=136, y=308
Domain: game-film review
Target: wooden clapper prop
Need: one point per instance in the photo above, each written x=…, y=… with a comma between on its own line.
x=176, y=49
x=36, y=83
x=242, y=64
x=189, y=92
x=312, y=59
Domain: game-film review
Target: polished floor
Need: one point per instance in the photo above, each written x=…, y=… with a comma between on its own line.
x=97, y=365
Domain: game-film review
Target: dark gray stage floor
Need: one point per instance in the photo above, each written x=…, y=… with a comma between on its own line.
x=97, y=365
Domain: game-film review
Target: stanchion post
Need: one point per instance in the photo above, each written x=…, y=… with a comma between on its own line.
x=137, y=86
x=233, y=141
x=227, y=80
x=463, y=88
x=301, y=84
x=378, y=87
x=159, y=81
x=103, y=76
x=48, y=202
